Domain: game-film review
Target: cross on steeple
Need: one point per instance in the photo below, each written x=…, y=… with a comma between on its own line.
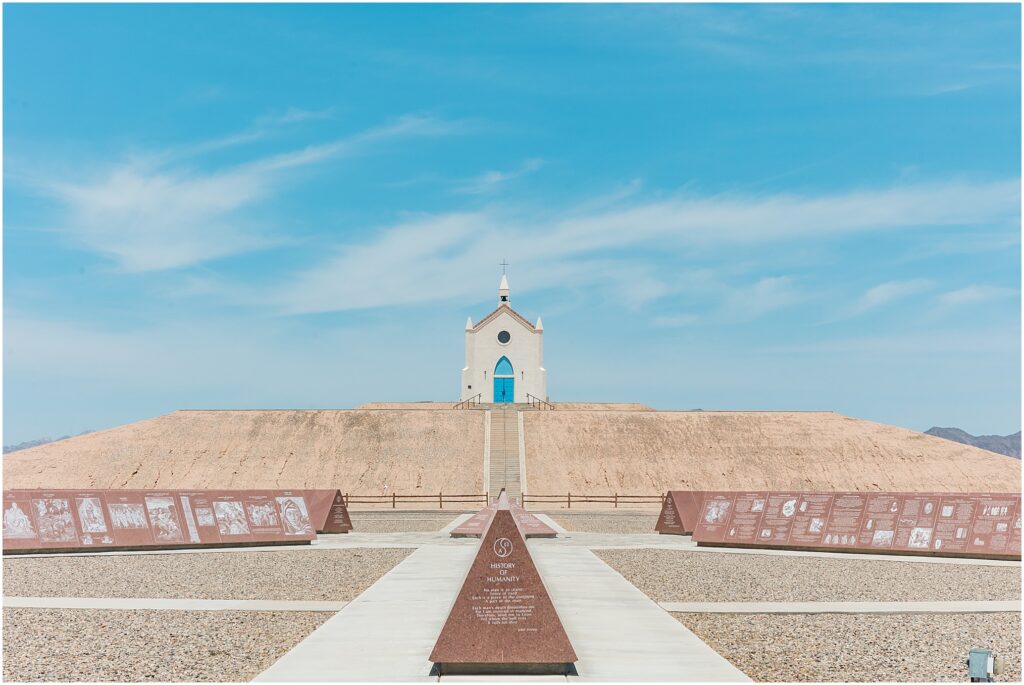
x=504, y=264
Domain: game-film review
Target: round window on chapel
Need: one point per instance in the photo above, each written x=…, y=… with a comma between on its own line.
x=504, y=337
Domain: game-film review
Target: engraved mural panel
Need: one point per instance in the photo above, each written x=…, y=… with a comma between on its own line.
x=163, y=514
x=54, y=519
x=294, y=515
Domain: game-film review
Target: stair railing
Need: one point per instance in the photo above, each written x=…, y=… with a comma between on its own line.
x=538, y=402
x=470, y=403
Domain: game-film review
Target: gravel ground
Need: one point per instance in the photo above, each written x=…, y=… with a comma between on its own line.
x=861, y=647
x=118, y=645
x=669, y=575
x=589, y=522
x=399, y=522
x=336, y=575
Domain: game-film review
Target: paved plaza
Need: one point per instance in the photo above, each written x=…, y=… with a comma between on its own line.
x=369, y=605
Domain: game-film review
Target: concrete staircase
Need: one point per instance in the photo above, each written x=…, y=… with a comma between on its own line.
x=504, y=471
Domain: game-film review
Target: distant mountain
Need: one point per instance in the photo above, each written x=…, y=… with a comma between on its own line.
x=37, y=443
x=1001, y=444
x=30, y=443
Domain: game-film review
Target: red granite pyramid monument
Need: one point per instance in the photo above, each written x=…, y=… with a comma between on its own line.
x=503, y=620
x=328, y=511
x=679, y=512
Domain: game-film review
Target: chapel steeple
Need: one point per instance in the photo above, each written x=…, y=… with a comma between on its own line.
x=503, y=291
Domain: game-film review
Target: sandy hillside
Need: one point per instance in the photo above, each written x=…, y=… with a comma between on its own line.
x=419, y=451
x=651, y=451
x=411, y=452
x=603, y=406
x=418, y=406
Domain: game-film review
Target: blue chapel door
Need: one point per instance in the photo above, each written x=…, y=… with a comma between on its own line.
x=504, y=389
x=504, y=381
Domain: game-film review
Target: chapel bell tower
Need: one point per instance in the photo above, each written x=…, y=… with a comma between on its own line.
x=504, y=355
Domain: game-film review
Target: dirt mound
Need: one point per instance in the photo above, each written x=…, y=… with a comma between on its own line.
x=603, y=406
x=650, y=452
x=410, y=452
x=416, y=451
x=417, y=406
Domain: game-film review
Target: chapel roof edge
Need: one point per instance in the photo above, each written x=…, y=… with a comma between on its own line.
x=504, y=307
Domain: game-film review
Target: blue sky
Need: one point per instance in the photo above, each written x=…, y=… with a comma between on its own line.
x=738, y=207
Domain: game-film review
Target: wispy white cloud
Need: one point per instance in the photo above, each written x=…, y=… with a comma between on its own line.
x=261, y=128
x=147, y=220
x=491, y=180
x=974, y=294
x=926, y=57
x=990, y=341
x=885, y=293
x=150, y=215
x=964, y=243
x=949, y=88
x=197, y=149
x=766, y=295
x=294, y=115
x=404, y=127
x=436, y=257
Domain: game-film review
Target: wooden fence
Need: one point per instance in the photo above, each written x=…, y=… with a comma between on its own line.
x=568, y=499
x=427, y=500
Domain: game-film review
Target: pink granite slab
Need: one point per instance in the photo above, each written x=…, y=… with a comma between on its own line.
x=530, y=525
x=944, y=524
x=81, y=520
x=503, y=620
x=476, y=524
x=680, y=510
x=328, y=511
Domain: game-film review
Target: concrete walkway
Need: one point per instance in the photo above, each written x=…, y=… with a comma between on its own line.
x=553, y=524
x=620, y=634
x=973, y=607
x=387, y=633
x=149, y=603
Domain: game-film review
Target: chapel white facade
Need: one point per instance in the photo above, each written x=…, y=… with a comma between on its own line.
x=504, y=356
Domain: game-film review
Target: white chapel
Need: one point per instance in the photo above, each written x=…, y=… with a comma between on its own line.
x=504, y=356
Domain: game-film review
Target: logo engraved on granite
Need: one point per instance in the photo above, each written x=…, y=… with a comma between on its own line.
x=503, y=547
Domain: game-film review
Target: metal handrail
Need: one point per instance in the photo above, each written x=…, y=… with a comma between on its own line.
x=538, y=402
x=466, y=404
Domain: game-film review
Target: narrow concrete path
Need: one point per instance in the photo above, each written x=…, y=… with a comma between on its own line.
x=555, y=525
x=149, y=603
x=975, y=607
x=617, y=631
x=387, y=633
